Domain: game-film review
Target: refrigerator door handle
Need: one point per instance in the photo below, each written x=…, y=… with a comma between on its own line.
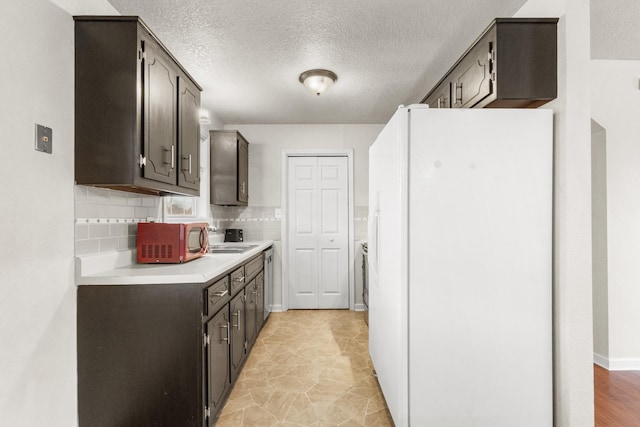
x=376, y=237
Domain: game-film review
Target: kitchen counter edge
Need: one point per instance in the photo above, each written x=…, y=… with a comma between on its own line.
x=119, y=268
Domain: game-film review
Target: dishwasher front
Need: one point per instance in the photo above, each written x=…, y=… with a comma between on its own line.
x=268, y=281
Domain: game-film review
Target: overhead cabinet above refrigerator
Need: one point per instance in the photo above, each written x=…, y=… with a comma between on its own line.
x=513, y=64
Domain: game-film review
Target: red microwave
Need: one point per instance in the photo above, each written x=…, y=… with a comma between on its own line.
x=171, y=243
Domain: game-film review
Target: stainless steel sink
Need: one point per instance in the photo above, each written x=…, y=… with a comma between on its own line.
x=230, y=248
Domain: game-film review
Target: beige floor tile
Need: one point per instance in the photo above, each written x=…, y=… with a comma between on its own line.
x=378, y=419
x=308, y=368
x=230, y=419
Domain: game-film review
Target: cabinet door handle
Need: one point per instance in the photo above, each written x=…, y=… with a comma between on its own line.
x=220, y=294
x=188, y=167
x=172, y=154
x=454, y=95
x=237, y=315
x=225, y=326
x=239, y=279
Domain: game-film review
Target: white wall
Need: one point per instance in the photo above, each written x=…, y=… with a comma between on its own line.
x=619, y=81
x=268, y=141
x=38, y=303
x=572, y=328
x=599, y=236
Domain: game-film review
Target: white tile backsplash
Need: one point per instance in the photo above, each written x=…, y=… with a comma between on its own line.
x=260, y=223
x=106, y=220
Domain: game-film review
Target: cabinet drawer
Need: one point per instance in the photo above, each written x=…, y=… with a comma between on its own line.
x=217, y=295
x=253, y=267
x=237, y=280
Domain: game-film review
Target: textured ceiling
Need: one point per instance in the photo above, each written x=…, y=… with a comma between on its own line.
x=247, y=54
x=614, y=29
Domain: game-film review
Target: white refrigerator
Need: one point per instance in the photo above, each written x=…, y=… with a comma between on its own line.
x=460, y=253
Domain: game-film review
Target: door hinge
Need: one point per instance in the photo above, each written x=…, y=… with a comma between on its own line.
x=207, y=412
x=141, y=55
x=246, y=344
x=143, y=161
x=207, y=341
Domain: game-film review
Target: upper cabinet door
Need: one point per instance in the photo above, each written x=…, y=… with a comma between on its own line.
x=188, y=134
x=513, y=64
x=441, y=97
x=471, y=81
x=159, y=85
x=243, y=170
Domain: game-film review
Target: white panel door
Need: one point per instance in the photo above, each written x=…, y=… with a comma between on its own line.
x=318, y=232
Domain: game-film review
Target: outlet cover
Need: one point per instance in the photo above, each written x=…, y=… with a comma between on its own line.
x=44, y=139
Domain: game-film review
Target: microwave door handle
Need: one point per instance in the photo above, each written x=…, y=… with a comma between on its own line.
x=203, y=240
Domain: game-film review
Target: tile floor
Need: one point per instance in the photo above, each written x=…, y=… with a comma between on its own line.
x=308, y=368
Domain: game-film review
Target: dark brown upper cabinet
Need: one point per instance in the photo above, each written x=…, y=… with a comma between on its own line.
x=513, y=64
x=229, y=168
x=136, y=110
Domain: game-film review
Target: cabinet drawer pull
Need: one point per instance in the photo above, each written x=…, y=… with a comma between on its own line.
x=239, y=279
x=220, y=294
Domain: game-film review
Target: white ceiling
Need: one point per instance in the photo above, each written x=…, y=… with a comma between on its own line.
x=614, y=29
x=247, y=54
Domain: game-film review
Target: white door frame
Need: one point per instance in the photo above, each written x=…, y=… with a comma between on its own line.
x=348, y=153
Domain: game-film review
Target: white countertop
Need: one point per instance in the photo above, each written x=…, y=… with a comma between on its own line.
x=120, y=268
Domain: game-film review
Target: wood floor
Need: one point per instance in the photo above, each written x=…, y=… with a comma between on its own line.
x=617, y=398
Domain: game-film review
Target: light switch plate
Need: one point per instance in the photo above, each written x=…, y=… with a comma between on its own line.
x=44, y=139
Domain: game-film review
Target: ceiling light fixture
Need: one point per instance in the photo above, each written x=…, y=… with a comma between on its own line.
x=318, y=81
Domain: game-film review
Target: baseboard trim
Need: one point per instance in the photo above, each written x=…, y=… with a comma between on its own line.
x=601, y=360
x=277, y=308
x=617, y=364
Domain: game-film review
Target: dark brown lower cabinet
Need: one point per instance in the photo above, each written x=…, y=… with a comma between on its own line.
x=218, y=380
x=250, y=307
x=140, y=356
x=162, y=355
x=237, y=316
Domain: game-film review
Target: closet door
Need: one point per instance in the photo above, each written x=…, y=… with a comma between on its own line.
x=318, y=232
